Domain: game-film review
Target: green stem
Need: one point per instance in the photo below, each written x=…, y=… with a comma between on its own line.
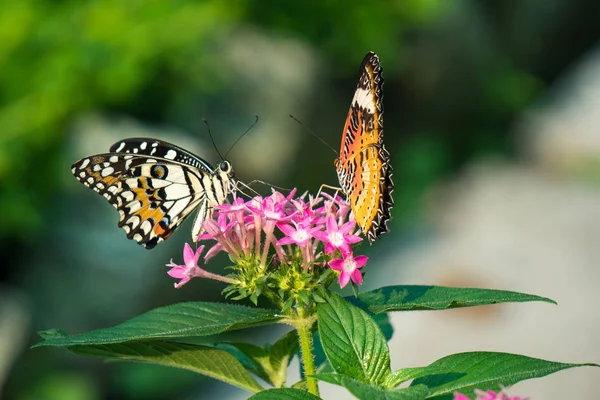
x=303, y=327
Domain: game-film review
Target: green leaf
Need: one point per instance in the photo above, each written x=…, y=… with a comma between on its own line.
x=372, y=392
x=383, y=321
x=300, y=385
x=403, y=375
x=208, y=361
x=270, y=363
x=352, y=341
x=174, y=321
x=282, y=352
x=465, y=372
x=284, y=394
x=412, y=297
x=253, y=358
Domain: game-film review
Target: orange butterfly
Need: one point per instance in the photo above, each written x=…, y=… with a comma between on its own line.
x=363, y=167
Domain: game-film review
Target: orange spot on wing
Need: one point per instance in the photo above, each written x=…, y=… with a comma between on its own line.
x=146, y=213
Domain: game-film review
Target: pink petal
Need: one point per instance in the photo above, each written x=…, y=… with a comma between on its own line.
x=344, y=248
x=329, y=248
x=188, y=255
x=331, y=225
x=460, y=396
x=255, y=210
x=357, y=277
x=360, y=261
x=314, y=230
x=319, y=220
x=286, y=240
x=291, y=194
x=197, y=254
x=177, y=271
x=347, y=227
x=351, y=239
x=275, y=215
x=322, y=236
x=336, y=264
x=347, y=254
x=213, y=251
x=344, y=279
x=287, y=229
x=212, y=228
x=182, y=282
x=488, y=395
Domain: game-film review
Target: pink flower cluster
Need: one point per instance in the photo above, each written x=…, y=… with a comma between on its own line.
x=286, y=225
x=488, y=395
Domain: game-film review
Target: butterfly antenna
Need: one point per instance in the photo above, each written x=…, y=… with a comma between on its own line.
x=269, y=185
x=315, y=135
x=243, y=134
x=212, y=139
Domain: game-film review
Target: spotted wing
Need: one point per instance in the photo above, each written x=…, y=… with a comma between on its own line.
x=370, y=190
x=153, y=196
x=363, y=167
x=159, y=149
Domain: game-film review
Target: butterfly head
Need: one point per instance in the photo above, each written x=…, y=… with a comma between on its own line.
x=227, y=174
x=226, y=168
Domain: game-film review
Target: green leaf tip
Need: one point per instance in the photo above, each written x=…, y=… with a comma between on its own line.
x=465, y=372
x=175, y=321
x=415, y=297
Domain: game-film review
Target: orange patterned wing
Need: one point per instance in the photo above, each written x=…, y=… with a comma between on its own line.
x=363, y=168
x=153, y=196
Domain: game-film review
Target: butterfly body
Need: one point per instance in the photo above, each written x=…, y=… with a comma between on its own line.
x=363, y=167
x=155, y=186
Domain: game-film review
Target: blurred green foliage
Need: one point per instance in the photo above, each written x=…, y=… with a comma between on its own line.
x=58, y=59
x=61, y=59
x=457, y=73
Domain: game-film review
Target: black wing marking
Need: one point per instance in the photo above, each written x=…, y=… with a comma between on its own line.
x=160, y=149
x=153, y=196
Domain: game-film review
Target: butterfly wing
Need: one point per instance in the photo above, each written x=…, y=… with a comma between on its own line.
x=370, y=192
x=363, y=167
x=160, y=149
x=153, y=196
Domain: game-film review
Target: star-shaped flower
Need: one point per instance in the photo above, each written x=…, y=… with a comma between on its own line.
x=189, y=269
x=336, y=237
x=299, y=233
x=349, y=268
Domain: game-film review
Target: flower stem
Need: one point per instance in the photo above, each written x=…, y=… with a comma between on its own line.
x=210, y=275
x=303, y=326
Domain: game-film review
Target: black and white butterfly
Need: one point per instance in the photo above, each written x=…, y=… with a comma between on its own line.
x=155, y=186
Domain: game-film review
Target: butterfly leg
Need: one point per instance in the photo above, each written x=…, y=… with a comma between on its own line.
x=337, y=190
x=255, y=193
x=323, y=186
